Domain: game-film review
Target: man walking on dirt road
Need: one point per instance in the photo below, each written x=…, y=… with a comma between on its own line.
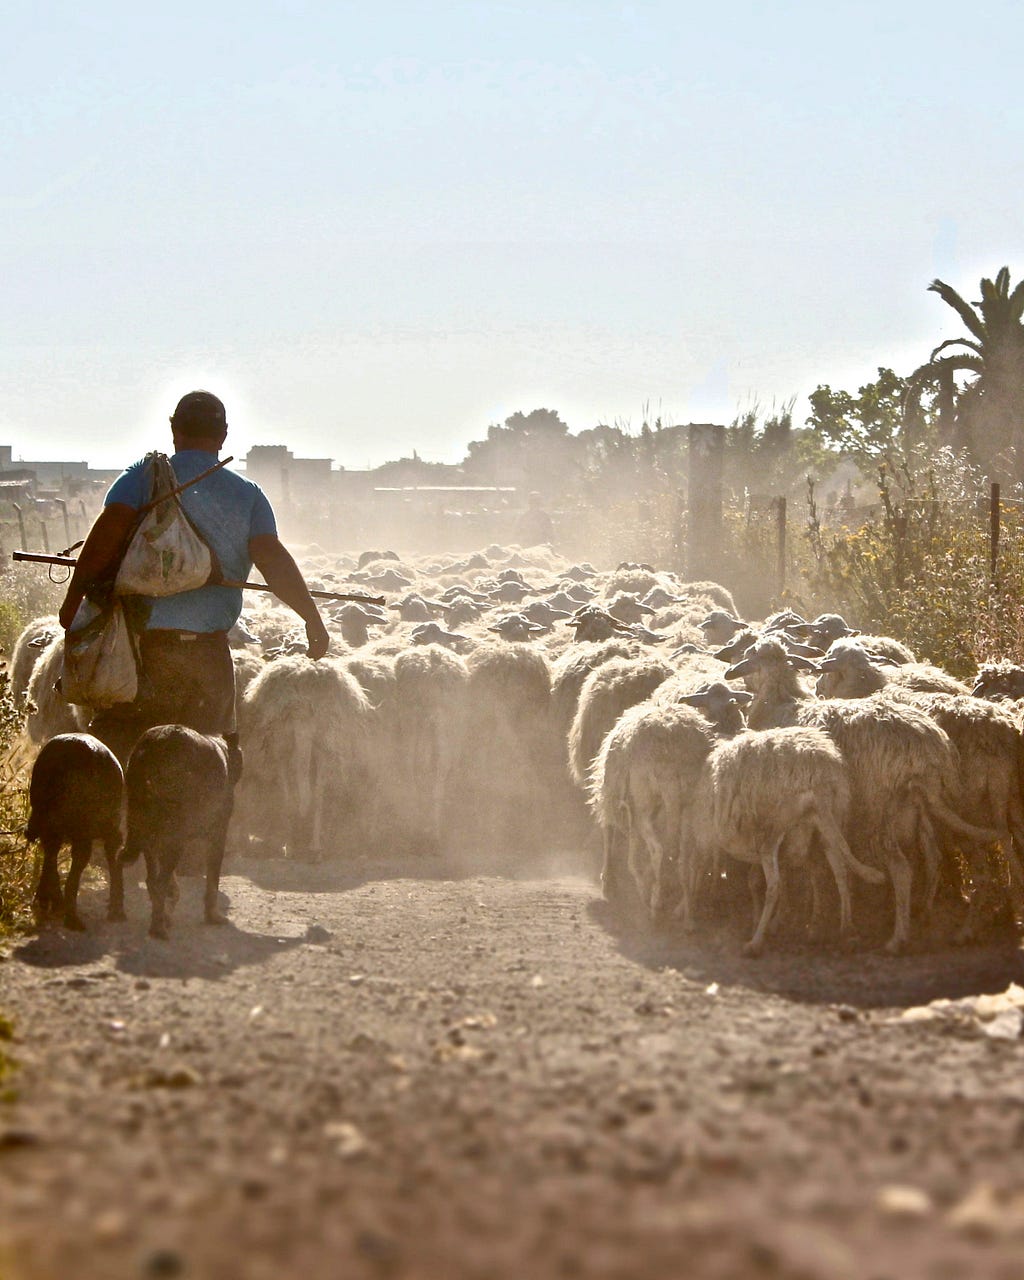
x=186, y=673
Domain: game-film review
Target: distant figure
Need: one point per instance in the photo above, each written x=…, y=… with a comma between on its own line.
x=534, y=525
x=187, y=671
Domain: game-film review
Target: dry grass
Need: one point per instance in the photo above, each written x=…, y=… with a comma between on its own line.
x=17, y=859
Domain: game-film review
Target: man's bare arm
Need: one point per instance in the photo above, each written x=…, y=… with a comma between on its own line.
x=282, y=576
x=102, y=550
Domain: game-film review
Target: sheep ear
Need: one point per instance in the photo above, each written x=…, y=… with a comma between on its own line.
x=882, y=660
x=696, y=699
x=739, y=669
x=741, y=696
x=826, y=664
x=800, y=663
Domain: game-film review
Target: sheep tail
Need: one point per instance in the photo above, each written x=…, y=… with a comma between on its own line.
x=833, y=833
x=938, y=809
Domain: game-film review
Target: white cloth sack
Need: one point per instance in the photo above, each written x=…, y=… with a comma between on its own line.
x=99, y=668
x=165, y=555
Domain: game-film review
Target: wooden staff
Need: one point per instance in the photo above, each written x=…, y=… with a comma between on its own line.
x=69, y=562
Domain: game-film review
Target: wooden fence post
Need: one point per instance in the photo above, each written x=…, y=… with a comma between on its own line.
x=993, y=532
x=21, y=525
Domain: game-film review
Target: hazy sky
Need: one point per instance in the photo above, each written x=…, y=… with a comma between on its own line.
x=374, y=227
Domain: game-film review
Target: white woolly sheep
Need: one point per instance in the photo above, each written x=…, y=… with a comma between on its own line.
x=848, y=670
x=570, y=670
x=303, y=727
x=989, y=751
x=608, y=691
x=770, y=671
x=430, y=709
x=999, y=681
x=28, y=649
x=903, y=778
x=48, y=712
x=763, y=798
x=642, y=783
x=510, y=765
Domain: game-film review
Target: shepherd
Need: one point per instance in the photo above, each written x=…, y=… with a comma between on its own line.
x=186, y=674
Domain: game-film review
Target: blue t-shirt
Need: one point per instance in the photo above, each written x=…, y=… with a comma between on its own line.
x=228, y=510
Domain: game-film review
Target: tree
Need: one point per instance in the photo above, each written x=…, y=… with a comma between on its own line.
x=533, y=451
x=869, y=427
x=985, y=416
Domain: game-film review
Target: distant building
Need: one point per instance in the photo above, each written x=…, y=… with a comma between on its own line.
x=286, y=479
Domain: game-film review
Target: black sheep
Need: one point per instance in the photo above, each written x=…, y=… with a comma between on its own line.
x=179, y=790
x=77, y=796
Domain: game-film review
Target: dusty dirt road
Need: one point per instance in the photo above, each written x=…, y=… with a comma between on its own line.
x=386, y=1075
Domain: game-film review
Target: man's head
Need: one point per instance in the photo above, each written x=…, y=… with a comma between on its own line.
x=199, y=417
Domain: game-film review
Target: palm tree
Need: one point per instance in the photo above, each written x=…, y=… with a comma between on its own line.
x=986, y=416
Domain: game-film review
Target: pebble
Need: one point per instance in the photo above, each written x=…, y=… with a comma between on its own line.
x=349, y=1141
x=978, y=1214
x=905, y=1202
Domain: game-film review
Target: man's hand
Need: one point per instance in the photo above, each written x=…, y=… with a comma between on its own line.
x=317, y=637
x=100, y=555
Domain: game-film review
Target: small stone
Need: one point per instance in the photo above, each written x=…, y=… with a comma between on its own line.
x=537, y=982
x=904, y=1202
x=110, y=1225
x=847, y=1013
x=349, y=1142
x=978, y=1214
x=356, y=979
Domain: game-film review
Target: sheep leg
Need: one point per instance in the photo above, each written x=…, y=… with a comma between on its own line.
x=979, y=863
x=687, y=872
x=115, y=903
x=755, y=885
x=611, y=871
x=656, y=856
x=770, y=866
x=212, y=913
x=48, y=896
x=841, y=859
x=633, y=859
x=163, y=889
x=901, y=877
x=81, y=852
x=932, y=857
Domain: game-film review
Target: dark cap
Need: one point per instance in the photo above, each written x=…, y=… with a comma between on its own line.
x=199, y=413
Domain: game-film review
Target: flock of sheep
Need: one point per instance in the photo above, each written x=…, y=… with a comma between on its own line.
x=504, y=703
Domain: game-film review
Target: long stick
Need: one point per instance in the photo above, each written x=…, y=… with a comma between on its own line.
x=173, y=493
x=69, y=562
